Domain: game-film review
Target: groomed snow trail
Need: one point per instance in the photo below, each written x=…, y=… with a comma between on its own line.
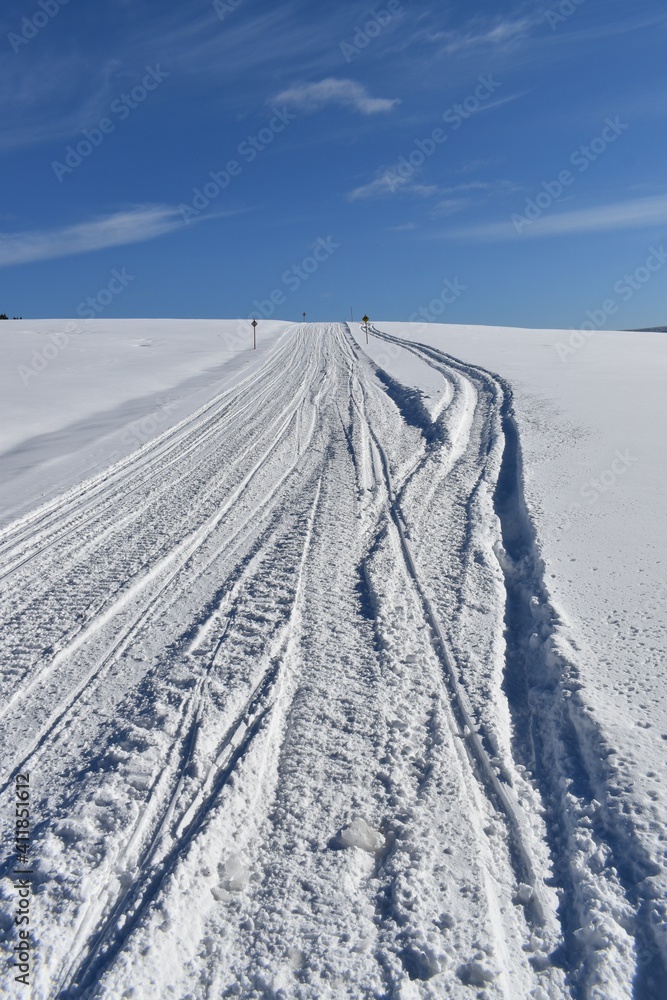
x=259, y=675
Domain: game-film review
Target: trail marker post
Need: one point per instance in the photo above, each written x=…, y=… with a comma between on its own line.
x=254, y=335
x=366, y=321
x=304, y=317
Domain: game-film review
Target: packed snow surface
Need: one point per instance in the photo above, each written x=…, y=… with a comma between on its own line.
x=343, y=677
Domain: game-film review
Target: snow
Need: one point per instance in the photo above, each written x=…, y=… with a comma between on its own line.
x=335, y=681
x=591, y=419
x=591, y=413
x=78, y=395
x=360, y=834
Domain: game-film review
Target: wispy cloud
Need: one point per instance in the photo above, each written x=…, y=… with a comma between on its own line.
x=133, y=225
x=33, y=113
x=188, y=40
x=454, y=197
x=504, y=34
x=388, y=184
x=608, y=28
x=450, y=206
x=636, y=214
x=485, y=34
x=501, y=33
x=383, y=186
x=312, y=97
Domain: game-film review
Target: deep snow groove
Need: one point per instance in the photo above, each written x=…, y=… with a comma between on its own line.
x=558, y=741
x=410, y=403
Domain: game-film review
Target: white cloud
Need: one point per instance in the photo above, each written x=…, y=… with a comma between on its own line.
x=467, y=186
x=134, y=225
x=449, y=206
x=382, y=187
x=231, y=63
x=480, y=34
x=344, y=93
x=390, y=183
x=637, y=214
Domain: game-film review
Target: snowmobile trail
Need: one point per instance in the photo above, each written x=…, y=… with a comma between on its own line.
x=265, y=678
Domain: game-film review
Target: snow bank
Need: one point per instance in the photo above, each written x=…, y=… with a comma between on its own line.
x=77, y=396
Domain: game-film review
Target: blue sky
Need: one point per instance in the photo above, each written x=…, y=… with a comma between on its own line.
x=486, y=162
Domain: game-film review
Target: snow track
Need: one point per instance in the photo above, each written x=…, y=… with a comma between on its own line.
x=268, y=675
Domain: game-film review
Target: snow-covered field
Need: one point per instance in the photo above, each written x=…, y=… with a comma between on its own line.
x=78, y=395
x=337, y=667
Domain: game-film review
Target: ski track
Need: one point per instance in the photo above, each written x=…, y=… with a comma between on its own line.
x=309, y=606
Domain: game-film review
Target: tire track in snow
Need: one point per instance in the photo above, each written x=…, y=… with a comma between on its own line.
x=200, y=498
x=117, y=920
x=468, y=726
x=166, y=850
x=55, y=723
x=182, y=556
x=289, y=437
x=486, y=780
x=296, y=873
x=605, y=903
x=160, y=810
x=428, y=771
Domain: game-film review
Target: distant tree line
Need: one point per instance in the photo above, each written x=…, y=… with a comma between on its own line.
x=5, y=316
